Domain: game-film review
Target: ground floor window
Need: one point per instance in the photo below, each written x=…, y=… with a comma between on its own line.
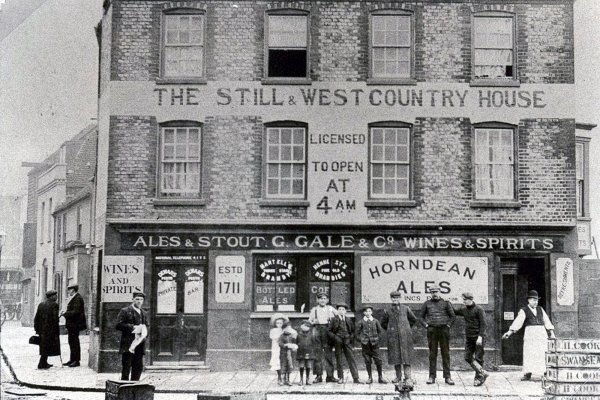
x=291, y=282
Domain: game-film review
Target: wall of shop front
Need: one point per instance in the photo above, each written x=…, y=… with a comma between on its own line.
x=238, y=333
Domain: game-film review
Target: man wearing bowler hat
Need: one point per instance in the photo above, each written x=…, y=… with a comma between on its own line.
x=536, y=322
x=45, y=324
x=320, y=316
x=131, y=321
x=474, y=334
x=437, y=315
x=341, y=329
x=74, y=322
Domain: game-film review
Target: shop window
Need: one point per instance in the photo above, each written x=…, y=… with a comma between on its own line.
x=494, y=46
x=183, y=44
x=389, y=159
x=287, y=44
x=391, y=44
x=291, y=282
x=180, y=159
x=494, y=163
x=285, y=167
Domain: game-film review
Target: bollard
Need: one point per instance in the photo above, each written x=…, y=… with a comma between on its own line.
x=128, y=390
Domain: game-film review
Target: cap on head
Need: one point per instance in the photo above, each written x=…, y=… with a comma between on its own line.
x=533, y=294
x=322, y=295
x=467, y=296
x=395, y=293
x=139, y=294
x=306, y=323
x=75, y=287
x=434, y=288
x=50, y=293
x=338, y=305
x=367, y=307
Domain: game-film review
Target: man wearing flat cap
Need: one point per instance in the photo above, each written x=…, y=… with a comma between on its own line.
x=398, y=320
x=132, y=321
x=474, y=335
x=341, y=329
x=320, y=316
x=45, y=324
x=437, y=315
x=536, y=322
x=74, y=322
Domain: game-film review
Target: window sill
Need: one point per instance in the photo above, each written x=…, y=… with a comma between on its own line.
x=495, y=83
x=584, y=218
x=495, y=204
x=283, y=203
x=181, y=81
x=392, y=81
x=391, y=203
x=286, y=81
x=179, y=202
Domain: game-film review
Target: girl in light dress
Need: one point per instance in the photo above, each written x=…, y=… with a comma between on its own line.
x=278, y=323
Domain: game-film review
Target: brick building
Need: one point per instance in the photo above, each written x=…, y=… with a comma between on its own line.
x=255, y=153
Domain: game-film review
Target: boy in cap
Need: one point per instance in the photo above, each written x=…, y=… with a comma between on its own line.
x=307, y=348
x=536, y=322
x=131, y=321
x=437, y=315
x=398, y=320
x=74, y=322
x=320, y=315
x=341, y=329
x=474, y=334
x=368, y=332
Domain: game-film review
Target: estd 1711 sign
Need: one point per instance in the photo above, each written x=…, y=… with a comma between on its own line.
x=230, y=279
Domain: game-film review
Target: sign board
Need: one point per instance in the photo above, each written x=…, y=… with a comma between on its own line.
x=509, y=316
x=573, y=389
x=572, y=375
x=230, y=279
x=332, y=396
x=584, y=238
x=121, y=277
x=588, y=346
x=569, y=397
x=414, y=275
x=573, y=360
x=565, y=287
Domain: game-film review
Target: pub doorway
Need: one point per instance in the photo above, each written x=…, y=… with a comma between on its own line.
x=517, y=277
x=179, y=298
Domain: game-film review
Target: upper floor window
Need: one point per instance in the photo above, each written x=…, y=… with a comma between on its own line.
x=50, y=220
x=180, y=159
x=494, y=47
x=64, y=229
x=285, y=161
x=79, y=224
x=494, y=164
x=287, y=44
x=391, y=45
x=183, y=44
x=58, y=232
x=582, y=176
x=390, y=161
x=42, y=222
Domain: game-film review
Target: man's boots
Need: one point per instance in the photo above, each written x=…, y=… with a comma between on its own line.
x=380, y=374
x=370, y=373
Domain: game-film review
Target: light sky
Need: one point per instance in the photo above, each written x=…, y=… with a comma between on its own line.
x=48, y=85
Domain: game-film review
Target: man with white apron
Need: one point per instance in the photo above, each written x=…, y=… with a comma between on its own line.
x=536, y=322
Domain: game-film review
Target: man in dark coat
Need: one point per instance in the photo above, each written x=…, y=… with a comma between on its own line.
x=45, y=324
x=74, y=322
x=437, y=315
x=341, y=329
x=130, y=322
x=398, y=320
x=474, y=335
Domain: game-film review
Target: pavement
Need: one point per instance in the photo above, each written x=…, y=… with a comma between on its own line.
x=21, y=360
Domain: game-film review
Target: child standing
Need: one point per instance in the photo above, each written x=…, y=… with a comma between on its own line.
x=287, y=344
x=307, y=347
x=278, y=322
x=368, y=332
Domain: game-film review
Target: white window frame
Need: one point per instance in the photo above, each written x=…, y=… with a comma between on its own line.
x=379, y=150
x=178, y=13
x=279, y=129
x=582, y=176
x=373, y=25
x=475, y=23
x=71, y=271
x=488, y=159
x=187, y=161
x=286, y=13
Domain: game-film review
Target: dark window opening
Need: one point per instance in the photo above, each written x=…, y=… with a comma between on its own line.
x=287, y=63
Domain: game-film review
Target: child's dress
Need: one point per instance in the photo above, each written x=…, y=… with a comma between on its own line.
x=274, y=334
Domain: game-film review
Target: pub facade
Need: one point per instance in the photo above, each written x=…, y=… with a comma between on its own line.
x=253, y=154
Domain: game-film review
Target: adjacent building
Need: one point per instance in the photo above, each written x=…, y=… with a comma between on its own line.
x=253, y=154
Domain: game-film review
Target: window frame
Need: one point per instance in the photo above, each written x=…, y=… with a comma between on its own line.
x=512, y=81
x=71, y=271
x=495, y=201
x=395, y=200
x=411, y=78
x=42, y=221
x=58, y=232
x=79, y=224
x=286, y=80
x=50, y=218
x=291, y=200
x=183, y=197
x=163, y=78
x=584, y=142
x=64, y=230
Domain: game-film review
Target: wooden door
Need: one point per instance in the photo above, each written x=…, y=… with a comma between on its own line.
x=512, y=348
